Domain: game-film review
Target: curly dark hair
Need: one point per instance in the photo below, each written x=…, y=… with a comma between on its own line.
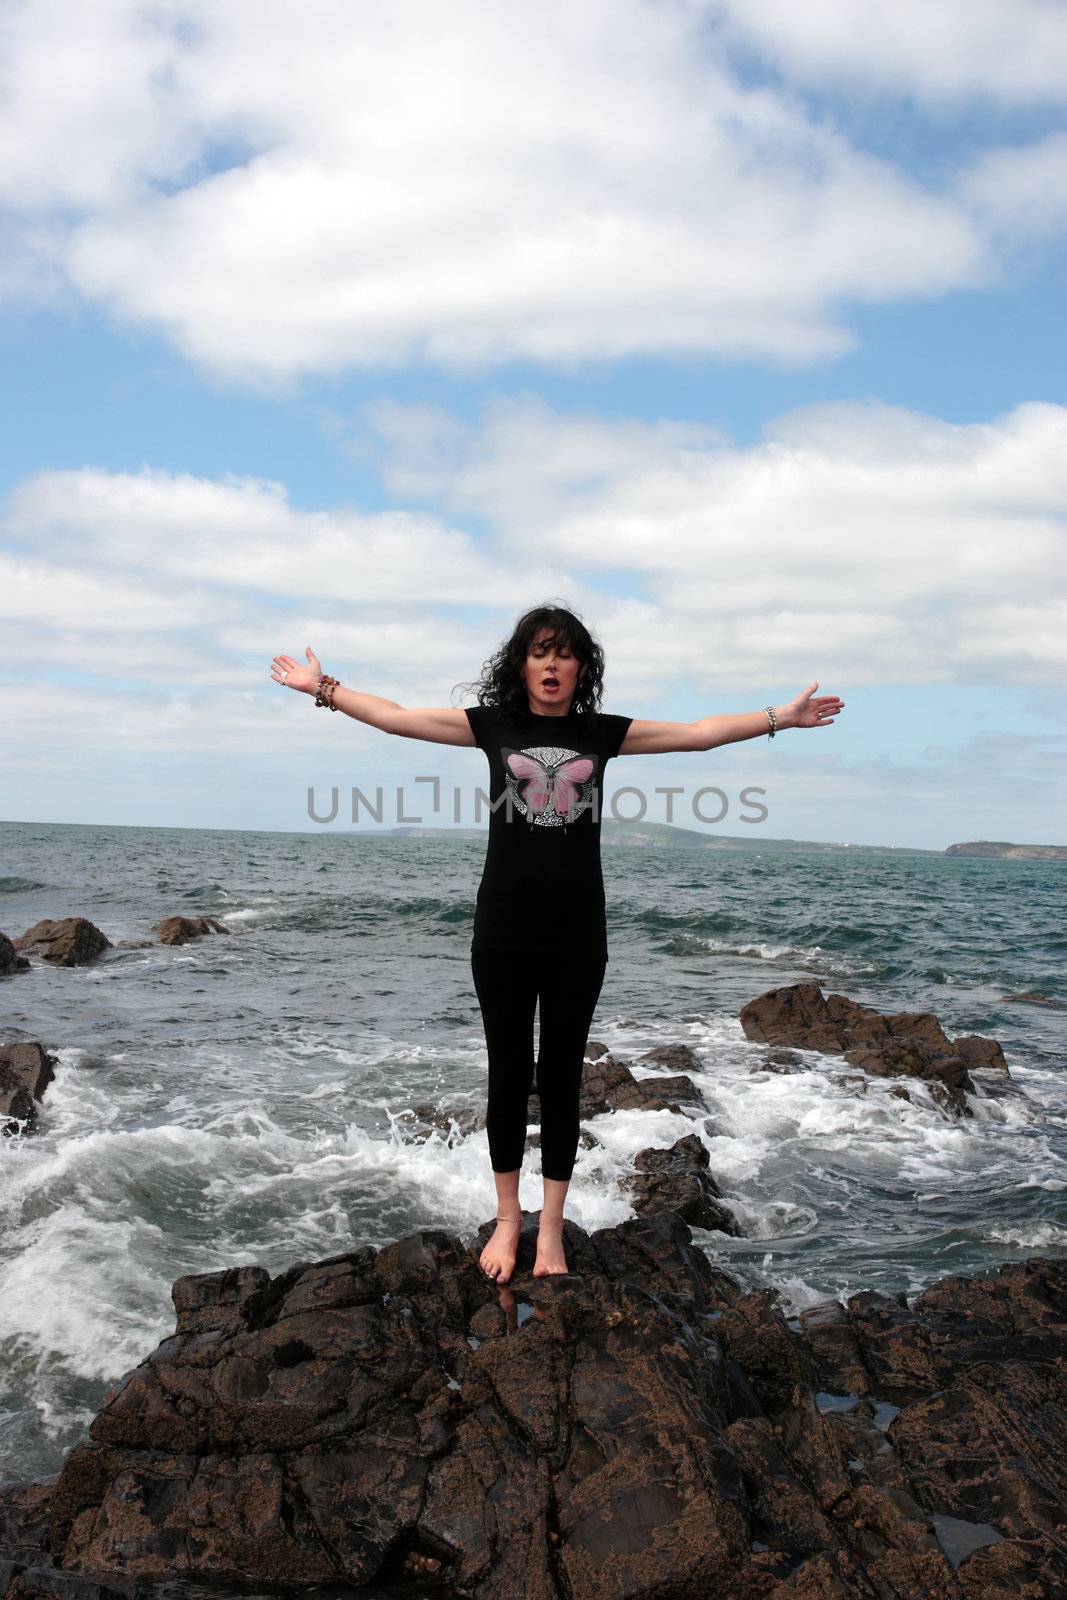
x=501, y=682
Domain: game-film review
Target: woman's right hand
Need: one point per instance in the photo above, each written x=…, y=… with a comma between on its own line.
x=305, y=679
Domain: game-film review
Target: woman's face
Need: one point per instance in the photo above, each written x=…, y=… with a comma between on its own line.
x=551, y=674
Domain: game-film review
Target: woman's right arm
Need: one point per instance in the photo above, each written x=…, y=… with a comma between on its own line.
x=438, y=724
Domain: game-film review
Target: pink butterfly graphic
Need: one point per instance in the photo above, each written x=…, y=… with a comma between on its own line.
x=549, y=783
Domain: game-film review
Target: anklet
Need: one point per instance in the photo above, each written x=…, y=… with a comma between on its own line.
x=508, y=1219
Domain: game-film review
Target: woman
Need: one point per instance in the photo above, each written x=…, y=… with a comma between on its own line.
x=540, y=935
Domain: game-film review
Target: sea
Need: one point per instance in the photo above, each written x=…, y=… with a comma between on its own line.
x=247, y=1098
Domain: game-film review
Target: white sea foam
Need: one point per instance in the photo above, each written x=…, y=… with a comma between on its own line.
x=1039, y=1236
x=247, y=914
x=806, y=957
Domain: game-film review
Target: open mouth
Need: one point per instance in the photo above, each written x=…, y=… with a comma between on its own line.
x=550, y=683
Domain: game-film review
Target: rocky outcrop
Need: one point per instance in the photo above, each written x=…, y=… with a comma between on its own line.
x=903, y=1044
x=179, y=930
x=26, y=1070
x=1032, y=998
x=10, y=960
x=609, y=1085
x=673, y=1057
x=679, y=1180
x=642, y=1427
x=68, y=942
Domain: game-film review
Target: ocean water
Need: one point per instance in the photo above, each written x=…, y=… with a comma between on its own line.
x=244, y=1098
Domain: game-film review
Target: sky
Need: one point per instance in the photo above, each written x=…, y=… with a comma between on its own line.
x=734, y=325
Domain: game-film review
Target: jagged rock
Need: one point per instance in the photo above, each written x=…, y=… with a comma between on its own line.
x=679, y=1179
x=906, y=1043
x=586, y=1141
x=1032, y=998
x=675, y=1057
x=26, y=1070
x=10, y=960
x=68, y=942
x=609, y=1085
x=779, y=1061
x=179, y=930
x=639, y=1427
x=594, y=1049
x=465, y=1118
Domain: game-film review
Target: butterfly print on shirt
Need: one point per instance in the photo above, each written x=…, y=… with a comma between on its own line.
x=548, y=785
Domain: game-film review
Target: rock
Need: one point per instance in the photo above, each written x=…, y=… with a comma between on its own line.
x=594, y=1050
x=1031, y=997
x=779, y=1061
x=179, y=930
x=464, y=1118
x=675, y=1057
x=26, y=1070
x=586, y=1141
x=904, y=1044
x=609, y=1085
x=679, y=1180
x=640, y=1427
x=70, y=942
x=10, y=960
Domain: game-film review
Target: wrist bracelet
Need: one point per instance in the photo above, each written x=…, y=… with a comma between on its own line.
x=773, y=720
x=324, y=691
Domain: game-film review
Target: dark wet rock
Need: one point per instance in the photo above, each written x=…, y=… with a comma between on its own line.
x=833, y=1344
x=10, y=960
x=26, y=1070
x=903, y=1044
x=609, y=1085
x=586, y=1140
x=179, y=930
x=672, y=1057
x=779, y=1061
x=679, y=1179
x=641, y=1426
x=68, y=942
x=464, y=1118
x=1031, y=997
x=897, y=1350
x=989, y=1448
x=1020, y=1310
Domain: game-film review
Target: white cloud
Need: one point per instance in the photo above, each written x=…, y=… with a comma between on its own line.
x=884, y=544
x=861, y=544
x=283, y=190
x=1013, y=51
x=244, y=533
x=1021, y=190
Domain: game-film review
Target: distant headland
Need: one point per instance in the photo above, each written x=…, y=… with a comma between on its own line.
x=1001, y=850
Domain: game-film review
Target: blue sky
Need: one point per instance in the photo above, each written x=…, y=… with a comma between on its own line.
x=736, y=326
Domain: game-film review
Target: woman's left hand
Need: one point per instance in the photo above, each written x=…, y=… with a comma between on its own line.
x=806, y=712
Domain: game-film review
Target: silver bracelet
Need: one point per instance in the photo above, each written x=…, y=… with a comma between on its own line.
x=773, y=720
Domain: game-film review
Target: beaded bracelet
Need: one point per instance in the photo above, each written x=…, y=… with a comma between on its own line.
x=324, y=691
x=773, y=721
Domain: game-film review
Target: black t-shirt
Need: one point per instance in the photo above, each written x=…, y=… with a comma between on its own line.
x=542, y=886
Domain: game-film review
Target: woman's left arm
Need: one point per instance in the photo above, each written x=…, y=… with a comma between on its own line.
x=646, y=738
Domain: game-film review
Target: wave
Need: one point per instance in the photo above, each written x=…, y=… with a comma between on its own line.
x=812, y=959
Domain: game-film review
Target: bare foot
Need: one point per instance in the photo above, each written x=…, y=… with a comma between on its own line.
x=498, y=1258
x=550, y=1257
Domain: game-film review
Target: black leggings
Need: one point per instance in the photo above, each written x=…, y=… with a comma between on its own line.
x=509, y=983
